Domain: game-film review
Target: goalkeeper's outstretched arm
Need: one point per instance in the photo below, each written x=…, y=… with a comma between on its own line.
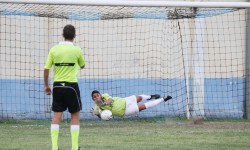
x=96, y=111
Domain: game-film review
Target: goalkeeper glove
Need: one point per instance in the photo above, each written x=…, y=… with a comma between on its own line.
x=95, y=110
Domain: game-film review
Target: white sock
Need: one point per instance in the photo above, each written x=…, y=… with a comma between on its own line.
x=145, y=97
x=75, y=127
x=153, y=103
x=54, y=127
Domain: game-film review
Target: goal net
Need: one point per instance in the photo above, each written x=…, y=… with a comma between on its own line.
x=195, y=54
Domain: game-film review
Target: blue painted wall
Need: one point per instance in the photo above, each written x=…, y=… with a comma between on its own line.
x=223, y=97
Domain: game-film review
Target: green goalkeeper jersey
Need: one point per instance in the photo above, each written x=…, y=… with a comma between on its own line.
x=66, y=59
x=117, y=107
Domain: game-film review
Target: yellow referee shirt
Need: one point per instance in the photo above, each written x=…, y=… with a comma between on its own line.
x=66, y=59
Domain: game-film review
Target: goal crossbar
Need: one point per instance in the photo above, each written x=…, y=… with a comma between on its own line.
x=136, y=3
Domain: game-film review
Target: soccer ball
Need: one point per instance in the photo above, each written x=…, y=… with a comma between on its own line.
x=106, y=115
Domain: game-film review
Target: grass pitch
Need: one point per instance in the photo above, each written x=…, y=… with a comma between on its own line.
x=130, y=134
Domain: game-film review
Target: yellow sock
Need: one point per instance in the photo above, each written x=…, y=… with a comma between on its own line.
x=54, y=136
x=74, y=136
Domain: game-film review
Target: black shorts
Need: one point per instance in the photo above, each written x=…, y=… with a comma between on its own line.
x=66, y=96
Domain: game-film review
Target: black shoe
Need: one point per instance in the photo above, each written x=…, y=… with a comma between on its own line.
x=166, y=98
x=155, y=96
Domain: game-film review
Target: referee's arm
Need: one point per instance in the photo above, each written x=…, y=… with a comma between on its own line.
x=47, y=89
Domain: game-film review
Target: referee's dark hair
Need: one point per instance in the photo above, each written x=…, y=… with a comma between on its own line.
x=69, y=32
x=93, y=92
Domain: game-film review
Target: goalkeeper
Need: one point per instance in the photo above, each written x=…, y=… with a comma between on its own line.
x=121, y=107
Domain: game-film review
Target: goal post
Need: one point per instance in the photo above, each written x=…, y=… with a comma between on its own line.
x=194, y=51
x=247, y=85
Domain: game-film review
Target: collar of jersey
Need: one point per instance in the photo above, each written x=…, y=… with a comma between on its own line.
x=65, y=42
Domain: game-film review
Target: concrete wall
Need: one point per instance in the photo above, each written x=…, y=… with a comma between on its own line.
x=128, y=48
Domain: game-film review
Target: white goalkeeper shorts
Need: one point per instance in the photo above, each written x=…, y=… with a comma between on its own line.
x=131, y=106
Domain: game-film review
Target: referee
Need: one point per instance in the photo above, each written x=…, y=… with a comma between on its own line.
x=66, y=58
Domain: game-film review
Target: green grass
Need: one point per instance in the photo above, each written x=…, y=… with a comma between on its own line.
x=130, y=134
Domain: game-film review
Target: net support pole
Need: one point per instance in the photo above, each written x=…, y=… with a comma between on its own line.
x=50, y=26
x=247, y=88
x=187, y=64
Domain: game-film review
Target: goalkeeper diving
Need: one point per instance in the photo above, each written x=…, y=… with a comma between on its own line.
x=127, y=106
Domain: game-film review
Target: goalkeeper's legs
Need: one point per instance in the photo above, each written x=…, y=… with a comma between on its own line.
x=75, y=128
x=150, y=104
x=153, y=103
x=55, y=129
x=146, y=97
x=140, y=98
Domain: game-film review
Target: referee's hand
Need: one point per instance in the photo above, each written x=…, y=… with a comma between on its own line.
x=47, y=90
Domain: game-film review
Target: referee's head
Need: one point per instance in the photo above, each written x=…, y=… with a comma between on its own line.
x=69, y=32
